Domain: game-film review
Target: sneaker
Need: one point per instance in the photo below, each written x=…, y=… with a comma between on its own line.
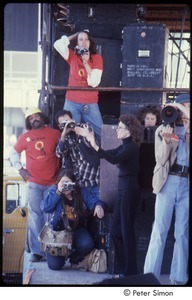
x=35, y=257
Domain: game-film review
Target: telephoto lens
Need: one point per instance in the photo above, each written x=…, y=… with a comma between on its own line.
x=169, y=115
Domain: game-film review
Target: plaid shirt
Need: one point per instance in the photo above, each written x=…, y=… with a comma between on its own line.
x=85, y=174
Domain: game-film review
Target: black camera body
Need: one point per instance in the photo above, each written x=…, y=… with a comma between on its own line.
x=68, y=186
x=148, y=134
x=169, y=115
x=69, y=125
x=81, y=50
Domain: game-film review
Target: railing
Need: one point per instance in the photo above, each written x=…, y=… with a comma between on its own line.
x=51, y=88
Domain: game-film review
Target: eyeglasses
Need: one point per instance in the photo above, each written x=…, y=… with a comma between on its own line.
x=120, y=128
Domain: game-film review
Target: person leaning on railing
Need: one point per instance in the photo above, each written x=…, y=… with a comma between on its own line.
x=86, y=68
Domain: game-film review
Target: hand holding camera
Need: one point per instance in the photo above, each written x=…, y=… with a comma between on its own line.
x=68, y=124
x=64, y=186
x=166, y=133
x=68, y=186
x=81, y=50
x=169, y=115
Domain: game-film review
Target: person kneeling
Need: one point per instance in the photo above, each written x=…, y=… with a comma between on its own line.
x=67, y=210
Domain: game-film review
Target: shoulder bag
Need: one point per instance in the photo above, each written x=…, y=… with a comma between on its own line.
x=57, y=243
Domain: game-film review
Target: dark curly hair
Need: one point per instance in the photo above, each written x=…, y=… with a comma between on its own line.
x=154, y=110
x=133, y=125
x=44, y=118
x=93, y=47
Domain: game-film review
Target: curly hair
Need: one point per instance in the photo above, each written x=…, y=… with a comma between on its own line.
x=141, y=114
x=44, y=118
x=92, y=48
x=133, y=125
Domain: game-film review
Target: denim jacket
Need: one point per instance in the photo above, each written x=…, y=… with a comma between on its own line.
x=53, y=204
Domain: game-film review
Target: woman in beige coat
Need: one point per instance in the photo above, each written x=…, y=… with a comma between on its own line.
x=171, y=185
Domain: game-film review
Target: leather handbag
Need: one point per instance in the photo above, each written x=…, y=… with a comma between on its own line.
x=95, y=261
x=56, y=243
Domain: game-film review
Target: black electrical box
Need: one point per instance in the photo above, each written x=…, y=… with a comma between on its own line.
x=101, y=21
x=144, y=55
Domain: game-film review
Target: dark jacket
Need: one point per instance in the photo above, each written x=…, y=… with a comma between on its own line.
x=53, y=204
x=125, y=156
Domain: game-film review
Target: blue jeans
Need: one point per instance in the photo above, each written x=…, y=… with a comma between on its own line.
x=173, y=195
x=36, y=217
x=83, y=244
x=87, y=113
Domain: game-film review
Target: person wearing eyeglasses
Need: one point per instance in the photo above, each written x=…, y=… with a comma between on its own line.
x=126, y=157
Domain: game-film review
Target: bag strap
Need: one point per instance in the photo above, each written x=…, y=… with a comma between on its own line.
x=65, y=222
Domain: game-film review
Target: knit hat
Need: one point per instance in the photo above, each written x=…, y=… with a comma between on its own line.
x=182, y=98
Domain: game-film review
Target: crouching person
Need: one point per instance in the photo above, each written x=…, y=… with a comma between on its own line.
x=67, y=210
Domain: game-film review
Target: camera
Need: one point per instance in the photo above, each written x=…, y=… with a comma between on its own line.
x=149, y=134
x=68, y=186
x=81, y=50
x=70, y=125
x=169, y=115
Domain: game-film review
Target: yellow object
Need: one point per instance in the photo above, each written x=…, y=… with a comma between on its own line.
x=15, y=215
x=32, y=110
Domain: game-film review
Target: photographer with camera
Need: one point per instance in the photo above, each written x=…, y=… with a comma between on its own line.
x=65, y=204
x=86, y=68
x=77, y=154
x=171, y=186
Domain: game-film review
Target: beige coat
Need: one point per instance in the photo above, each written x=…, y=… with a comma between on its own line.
x=165, y=155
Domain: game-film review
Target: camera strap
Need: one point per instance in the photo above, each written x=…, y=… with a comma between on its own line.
x=65, y=222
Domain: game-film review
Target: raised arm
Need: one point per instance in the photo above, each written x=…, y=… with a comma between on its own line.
x=62, y=44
